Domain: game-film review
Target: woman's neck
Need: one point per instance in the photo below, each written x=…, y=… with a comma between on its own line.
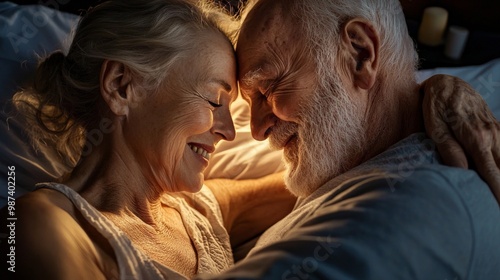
x=111, y=179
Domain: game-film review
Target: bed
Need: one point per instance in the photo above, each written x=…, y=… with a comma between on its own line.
x=29, y=31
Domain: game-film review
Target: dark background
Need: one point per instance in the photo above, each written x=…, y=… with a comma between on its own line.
x=481, y=17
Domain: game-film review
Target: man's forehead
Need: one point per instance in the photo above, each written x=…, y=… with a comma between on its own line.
x=264, y=21
x=257, y=47
x=252, y=57
x=266, y=43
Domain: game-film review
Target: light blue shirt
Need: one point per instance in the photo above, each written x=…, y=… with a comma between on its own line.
x=421, y=220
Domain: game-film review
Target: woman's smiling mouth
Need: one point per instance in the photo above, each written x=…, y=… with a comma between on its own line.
x=199, y=150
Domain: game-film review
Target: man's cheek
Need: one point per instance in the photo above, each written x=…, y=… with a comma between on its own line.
x=286, y=109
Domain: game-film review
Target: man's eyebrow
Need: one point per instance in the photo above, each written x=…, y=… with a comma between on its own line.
x=251, y=77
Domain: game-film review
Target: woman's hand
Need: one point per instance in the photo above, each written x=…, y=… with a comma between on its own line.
x=463, y=127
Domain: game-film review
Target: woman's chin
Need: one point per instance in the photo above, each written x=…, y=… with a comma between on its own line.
x=195, y=186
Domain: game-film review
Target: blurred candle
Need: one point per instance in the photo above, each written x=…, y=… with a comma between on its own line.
x=433, y=25
x=455, y=42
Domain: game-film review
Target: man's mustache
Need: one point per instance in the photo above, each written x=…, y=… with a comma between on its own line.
x=281, y=132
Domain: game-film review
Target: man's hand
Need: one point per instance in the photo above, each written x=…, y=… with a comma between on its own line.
x=459, y=121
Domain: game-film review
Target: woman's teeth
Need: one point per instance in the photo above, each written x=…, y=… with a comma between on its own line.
x=200, y=151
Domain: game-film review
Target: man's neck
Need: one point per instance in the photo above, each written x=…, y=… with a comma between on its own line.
x=391, y=116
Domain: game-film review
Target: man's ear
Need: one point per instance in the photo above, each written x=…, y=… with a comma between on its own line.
x=362, y=43
x=115, y=86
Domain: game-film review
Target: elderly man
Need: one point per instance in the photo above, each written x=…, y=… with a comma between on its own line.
x=331, y=82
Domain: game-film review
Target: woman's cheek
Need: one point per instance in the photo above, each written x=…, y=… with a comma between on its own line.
x=200, y=121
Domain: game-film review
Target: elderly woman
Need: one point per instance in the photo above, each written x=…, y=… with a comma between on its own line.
x=138, y=103
x=155, y=79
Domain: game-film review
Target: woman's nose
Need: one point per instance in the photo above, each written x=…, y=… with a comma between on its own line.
x=223, y=125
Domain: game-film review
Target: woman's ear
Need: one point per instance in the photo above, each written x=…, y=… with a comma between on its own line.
x=361, y=42
x=115, y=86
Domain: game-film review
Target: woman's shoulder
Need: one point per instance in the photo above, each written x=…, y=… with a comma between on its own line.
x=47, y=232
x=43, y=206
x=41, y=218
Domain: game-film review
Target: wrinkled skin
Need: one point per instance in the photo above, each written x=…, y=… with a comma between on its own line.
x=459, y=121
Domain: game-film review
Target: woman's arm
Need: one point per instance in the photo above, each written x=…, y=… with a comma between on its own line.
x=249, y=207
x=463, y=127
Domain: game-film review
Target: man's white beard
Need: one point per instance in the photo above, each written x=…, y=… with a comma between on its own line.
x=330, y=139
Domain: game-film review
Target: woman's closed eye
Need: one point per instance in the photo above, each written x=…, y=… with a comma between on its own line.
x=213, y=104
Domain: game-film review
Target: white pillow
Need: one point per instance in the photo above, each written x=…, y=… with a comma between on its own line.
x=243, y=158
x=25, y=32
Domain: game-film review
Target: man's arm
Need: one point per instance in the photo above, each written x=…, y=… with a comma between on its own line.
x=463, y=127
x=249, y=207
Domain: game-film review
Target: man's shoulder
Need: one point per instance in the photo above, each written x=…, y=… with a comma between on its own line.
x=430, y=177
x=448, y=204
x=435, y=184
x=444, y=185
x=411, y=168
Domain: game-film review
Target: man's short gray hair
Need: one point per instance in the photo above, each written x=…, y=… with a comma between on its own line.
x=320, y=22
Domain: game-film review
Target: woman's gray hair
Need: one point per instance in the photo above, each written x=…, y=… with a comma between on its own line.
x=147, y=36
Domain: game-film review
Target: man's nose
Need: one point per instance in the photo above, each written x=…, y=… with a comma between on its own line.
x=262, y=120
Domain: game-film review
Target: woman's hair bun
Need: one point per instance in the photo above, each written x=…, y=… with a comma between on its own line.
x=49, y=72
x=49, y=79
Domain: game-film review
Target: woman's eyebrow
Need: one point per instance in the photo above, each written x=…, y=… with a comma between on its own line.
x=227, y=87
